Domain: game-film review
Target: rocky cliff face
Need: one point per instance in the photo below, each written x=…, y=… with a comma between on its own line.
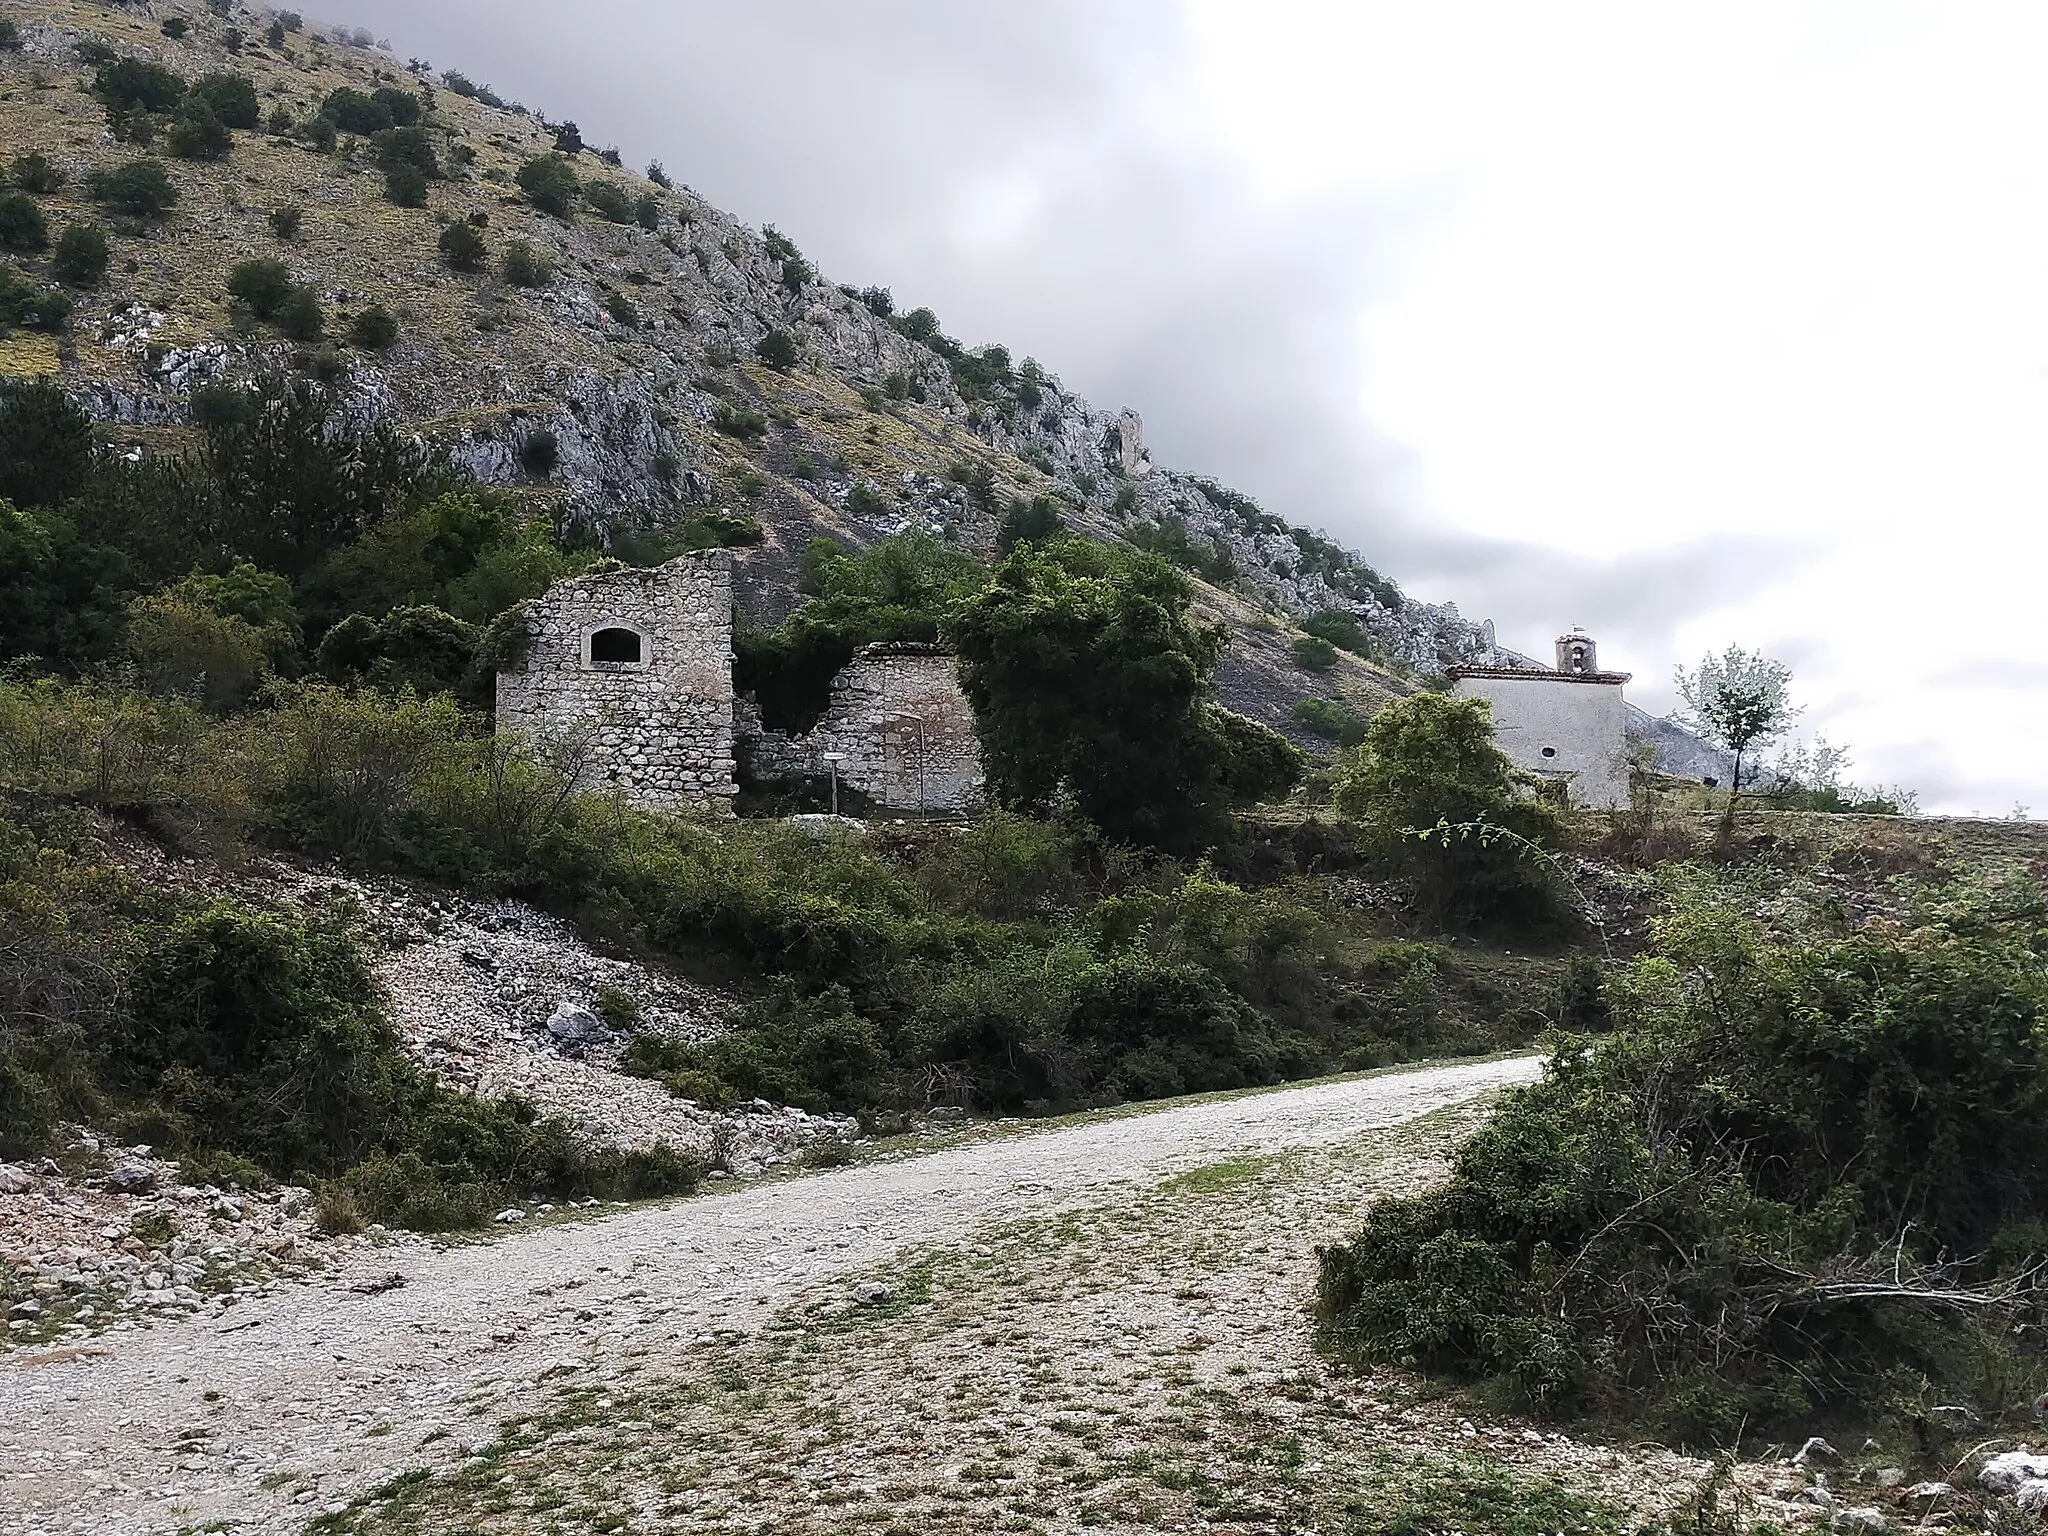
x=638, y=358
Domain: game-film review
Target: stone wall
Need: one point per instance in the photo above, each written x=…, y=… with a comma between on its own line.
x=660, y=728
x=1567, y=727
x=899, y=721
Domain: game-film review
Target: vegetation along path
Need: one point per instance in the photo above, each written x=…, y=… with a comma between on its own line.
x=1082, y=1326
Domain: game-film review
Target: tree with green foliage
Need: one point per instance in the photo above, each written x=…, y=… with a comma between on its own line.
x=1737, y=700
x=550, y=184
x=301, y=316
x=527, y=266
x=1801, y=1179
x=197, y=133
x=23, y=301
x=1090, y=682
x=463, y=248
x=264, y=284
x=406, y=186
x=22, y=227
x=353, y=111
x=1312, y=653
x=130, y=85
x=232, y=97
x=46, y=443
x=900, y=589
x=778, y=349
x=374, y=328
x=420, y=648
x=142, y=189
x=608, y=200
x=37, y=172
x=1029, y=522
x=285, y=222
x=81, y=256
x=1445, y=808
x=60, y=594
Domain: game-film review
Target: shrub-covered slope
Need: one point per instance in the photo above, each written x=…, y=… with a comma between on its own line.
x=607, y=341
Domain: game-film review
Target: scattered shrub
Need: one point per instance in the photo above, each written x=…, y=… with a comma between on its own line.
x=232, y=97
x=286, y=222
x=1029, y=522
x=1332, y=722
x=264, y=284
x=463, y=248
x=22, y=227
x=739, y=421
x=131, y=85
x=880, y=301
x=25, y=302
x=352, y=111
x=406, y=185
x=527, y=266
x=778, y=349
x=81, y=256
x=373, y=329
x=1312, y=653
x=550, y=184
x=197, y=133
x=10, y=36
x=319, y=135
x=175, y=27
x=301, y=317
x=657, y=175
x=621, y=309
x=1445, y=807
x=647, y=213
x=38, y=173
x=1790, y=1185
x=141, y=189
x=607, y=200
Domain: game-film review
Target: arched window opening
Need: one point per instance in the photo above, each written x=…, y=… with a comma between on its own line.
x=616, y=647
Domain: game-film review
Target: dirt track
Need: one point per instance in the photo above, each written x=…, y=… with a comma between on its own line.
x=293, y=1405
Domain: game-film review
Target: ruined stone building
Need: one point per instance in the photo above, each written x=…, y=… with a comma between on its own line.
x=637, y=664
x=899, y=726
x=1568, y=725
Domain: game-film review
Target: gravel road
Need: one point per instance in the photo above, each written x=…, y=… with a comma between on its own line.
x=286, y=1406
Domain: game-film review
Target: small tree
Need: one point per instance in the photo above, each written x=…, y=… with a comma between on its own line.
x=45, y=443
x=301, y=317
x=1446, y=807
x=657, y=175
x=778, y=349
x=374, y=328
x=1737, y=701
x=37, y=172
x=463, y=248
x=197, y=133
x=285, y=222
x=81, y=256
x=141, y=189
x=550, y=184
x=263, y=284
x=21, y=223
x=232, y=97
x=527, y=266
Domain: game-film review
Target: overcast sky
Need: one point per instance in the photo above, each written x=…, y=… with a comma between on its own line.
x=1692, y=325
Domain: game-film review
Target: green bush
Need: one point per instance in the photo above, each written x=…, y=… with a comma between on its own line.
x=778, y=349
x=319, y=135
x=197, y=133
x=26, y=302
x=10, y=36
x=406, y=185
x=352, y=111
x=419, y=648
x=373, y=328
x=1312, y=653
x=550, y=184
x=622, y=310
x=1772, y=1194
x=46, y=443
x=264, y=284
x=608, y=200
x=527, y=266
x=141, y=189
x=22, y=227
x=1029, y=522
x=1446, y=809
x=81, y=256
x=1332, y=722
x=129, y=85
x=286, y=221
x=739, y=421
x=232, y=98
x=463, y=248
x=1090, y=678
x=301, y=317
x=38, y=173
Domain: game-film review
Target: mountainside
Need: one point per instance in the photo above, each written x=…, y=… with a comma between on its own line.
x=626, y=367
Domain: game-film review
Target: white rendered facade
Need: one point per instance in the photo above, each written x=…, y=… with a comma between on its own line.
x=1568, y=726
